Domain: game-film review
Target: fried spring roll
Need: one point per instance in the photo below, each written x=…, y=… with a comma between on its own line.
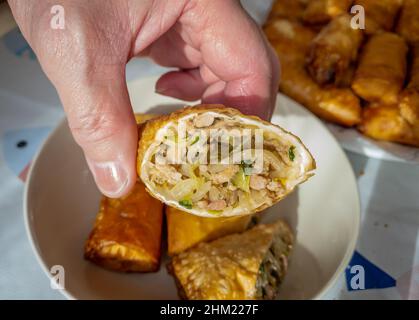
x=409, y=100
x=247, y=266
x=186, y=230
x=198, y=182
x=382, y=69
x=380, y=15
x=322, y=11
x=290, y=9
x=384, y=122
x=127, y=233
x=408, y=26
x=333, y=51
x=292, y=41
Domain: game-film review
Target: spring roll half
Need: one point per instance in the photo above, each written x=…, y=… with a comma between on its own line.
x=213, y=161
x=408, y=25
x=333, y=51
x=186, y=230
x=127, y=233
x=384, y=122
x=382, y=69
x=380, y=15
x=409, y=99
x=246, y=266
x=322, y=11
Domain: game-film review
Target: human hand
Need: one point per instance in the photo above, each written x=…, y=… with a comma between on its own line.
x=221, y=54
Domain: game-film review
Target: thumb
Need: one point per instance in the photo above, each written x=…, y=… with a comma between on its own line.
x=102, y=122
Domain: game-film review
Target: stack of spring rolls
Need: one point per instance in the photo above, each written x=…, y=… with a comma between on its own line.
x=218, y=248
x=349, y=71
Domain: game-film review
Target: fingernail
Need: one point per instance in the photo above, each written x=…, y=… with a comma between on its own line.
x=161, y=90
x=110, y=177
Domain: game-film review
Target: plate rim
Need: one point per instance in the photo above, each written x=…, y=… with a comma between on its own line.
x=328, y=285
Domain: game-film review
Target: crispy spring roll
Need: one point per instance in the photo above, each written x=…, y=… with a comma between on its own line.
x=290, y=9
x=408, y=26
x=409, y=99
x=322, y=11
x=382, y=69
x=246, y=266
x=186, y=230
x=193, y=160
x=291, y=41
x=127, y=233
x=380, y=15
x=334, y=50
x=384, y=122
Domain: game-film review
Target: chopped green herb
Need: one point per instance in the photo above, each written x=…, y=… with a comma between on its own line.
x=186, y=203
x=291, y=153
x=195, y=140
x=241, y=180
x=247, y=167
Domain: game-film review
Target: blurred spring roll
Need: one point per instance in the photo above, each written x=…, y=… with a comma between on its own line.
x=384, y=122
x=408, y=26
x=246, y=266
x=333, y=51
x=409, y=99
x=322, y=11
x=291, y=41
x=186, y=230
x=290, y=9
x=127, y=233
x=380, y=15
x=213, y=161
x=382, y=69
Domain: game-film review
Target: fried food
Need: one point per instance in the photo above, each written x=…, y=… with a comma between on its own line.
x=382, y=69
x=409, y=99
x=333, y=51
x=186, y=230
x=246, y=266
x=291, y=41
x=408, y=26
x=380, y=15
x=127, y=233
x=188, y=169
x=322, y=11
x=384, y=122
x=290, y=9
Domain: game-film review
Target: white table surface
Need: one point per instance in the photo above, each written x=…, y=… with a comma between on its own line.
x=389, y=191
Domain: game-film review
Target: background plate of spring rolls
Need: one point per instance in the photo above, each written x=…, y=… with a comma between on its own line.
x=364, y=83
x=61, y=203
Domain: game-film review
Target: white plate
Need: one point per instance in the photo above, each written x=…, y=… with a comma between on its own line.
x=61, y=201
x=352, y=140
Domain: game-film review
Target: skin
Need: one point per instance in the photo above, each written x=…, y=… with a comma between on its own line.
x=220, y=54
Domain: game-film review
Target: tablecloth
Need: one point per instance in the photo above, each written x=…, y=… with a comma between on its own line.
x=387, y=249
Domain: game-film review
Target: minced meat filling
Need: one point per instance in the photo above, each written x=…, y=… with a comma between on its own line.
x=272, y=270
x=220, y=187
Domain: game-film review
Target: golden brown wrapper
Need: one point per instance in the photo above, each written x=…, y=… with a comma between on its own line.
x=333, y=51
x=408, y=25
x=380, y=15
x=382, y=69
x=289, y=9
x=322, y=11
x=384, y=122
x=227, y=268
x=291, y=41
x=185, y=230
x=127, y=233
x=151, y=128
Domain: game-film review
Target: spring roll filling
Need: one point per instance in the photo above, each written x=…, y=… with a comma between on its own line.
x=272, y=270
x=221, y=187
